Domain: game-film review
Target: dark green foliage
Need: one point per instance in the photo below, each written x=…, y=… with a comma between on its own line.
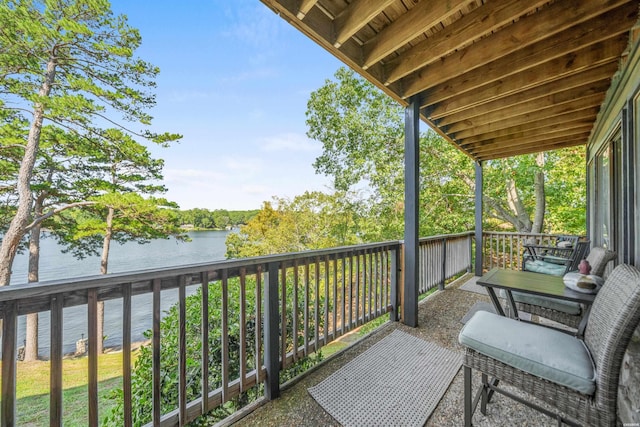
x=362, y=135
x=169, y=343
x=215, y=219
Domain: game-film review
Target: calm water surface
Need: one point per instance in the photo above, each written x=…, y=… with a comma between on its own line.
x=205, y=246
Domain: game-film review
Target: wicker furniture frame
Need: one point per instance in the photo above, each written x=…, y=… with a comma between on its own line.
x=615, y=315
x=571, y=320
x=571, y=255
x=537, y=284
x=598, y=259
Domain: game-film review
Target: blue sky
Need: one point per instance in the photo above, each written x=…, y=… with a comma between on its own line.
x=235, y=79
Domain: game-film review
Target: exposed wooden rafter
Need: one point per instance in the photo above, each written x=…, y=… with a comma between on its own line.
x=497, y=78
x=601, y=73
x=526, y=32
x=355, y=17
x=409, y=26
x=305, y=6
x=481, y=21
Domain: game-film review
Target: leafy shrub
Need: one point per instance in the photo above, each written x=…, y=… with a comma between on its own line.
x=141, y=378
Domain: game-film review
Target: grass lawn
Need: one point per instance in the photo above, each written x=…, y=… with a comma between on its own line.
x=32, y=389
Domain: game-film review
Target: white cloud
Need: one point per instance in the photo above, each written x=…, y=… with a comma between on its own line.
x=248, y=166
x=183, y=96
x=289, y=142
x=260, y=73
x=253, y=25
x=255, y=189
x=192, y=176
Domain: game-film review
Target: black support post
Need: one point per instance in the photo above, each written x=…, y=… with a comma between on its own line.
x=478, y=201
x=9, y=333
x=271, y=333
x=411, y=204
x=444, y=265
x=628, y=185
x=395, y=255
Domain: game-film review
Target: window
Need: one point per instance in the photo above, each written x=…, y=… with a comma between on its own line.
x=603, y=231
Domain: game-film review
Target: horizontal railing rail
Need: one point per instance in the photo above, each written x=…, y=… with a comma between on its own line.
x=261, y=314
x=505, y=249
x=142, y=278
x=258, y=320
x=443, y=257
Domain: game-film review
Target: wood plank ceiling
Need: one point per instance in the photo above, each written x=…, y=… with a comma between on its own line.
x=496, y=78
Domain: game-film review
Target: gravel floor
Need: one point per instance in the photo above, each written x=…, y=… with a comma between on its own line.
x=439, y=322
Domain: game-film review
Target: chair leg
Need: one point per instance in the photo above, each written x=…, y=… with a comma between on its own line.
x=494, y=383
x=468, y=410
x=485, y=394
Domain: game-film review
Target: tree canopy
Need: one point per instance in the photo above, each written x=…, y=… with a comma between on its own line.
x=200, y=218
x=313, y=220
x=362, y=135
x=68, y=64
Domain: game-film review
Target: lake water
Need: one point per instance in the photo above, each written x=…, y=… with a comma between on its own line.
x=205, y=246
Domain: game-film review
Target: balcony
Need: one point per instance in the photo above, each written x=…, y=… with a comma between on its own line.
x=439, y=317
x=264, y=318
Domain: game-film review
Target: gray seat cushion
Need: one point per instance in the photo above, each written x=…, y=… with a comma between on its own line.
x=563, y=306
x=539, y=266
x=543, y=352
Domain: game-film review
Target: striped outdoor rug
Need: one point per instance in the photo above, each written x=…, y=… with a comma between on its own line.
x=471, y=286
x=398, y=381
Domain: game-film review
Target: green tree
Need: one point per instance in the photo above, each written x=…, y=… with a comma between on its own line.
x=58, y=169
x=13, y=131
x=142, y=372
x=543, y=192
x=221, y=218
x=362, y=134
x=70, y=63
x=361, y=131
x=313, y=220
x=565, y=190
x=121, y=172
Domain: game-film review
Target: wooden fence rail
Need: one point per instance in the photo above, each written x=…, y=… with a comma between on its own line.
x=267, y=314
x=442, y=257
x=505, y=250
x=256, y=318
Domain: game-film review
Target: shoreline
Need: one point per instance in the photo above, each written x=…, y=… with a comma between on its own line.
x=135, y=346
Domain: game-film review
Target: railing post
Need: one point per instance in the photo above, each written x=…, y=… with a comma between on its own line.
x=155, y=346
x=55, y=357
x=395, y=262
x=444, y=264
x=470, y=267
x=271, y=333
x=411, y=211
x=478, y=218
x=9, y=334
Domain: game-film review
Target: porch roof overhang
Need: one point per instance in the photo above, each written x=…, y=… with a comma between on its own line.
x=495, y=78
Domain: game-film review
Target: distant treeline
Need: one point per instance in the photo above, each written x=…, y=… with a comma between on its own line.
x=216, y=219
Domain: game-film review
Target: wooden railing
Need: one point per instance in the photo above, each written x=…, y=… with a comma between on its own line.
x=259, y=317
x=505, y=250
x=261, y=314
x=443, y=257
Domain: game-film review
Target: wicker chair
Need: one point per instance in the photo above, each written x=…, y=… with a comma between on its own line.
x=567, y=313
x=564, y=312
x=598, y=259
x=555, y=260
x=578, y=378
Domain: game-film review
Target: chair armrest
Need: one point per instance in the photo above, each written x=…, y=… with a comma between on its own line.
x=539, y=252
x=554, y=259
